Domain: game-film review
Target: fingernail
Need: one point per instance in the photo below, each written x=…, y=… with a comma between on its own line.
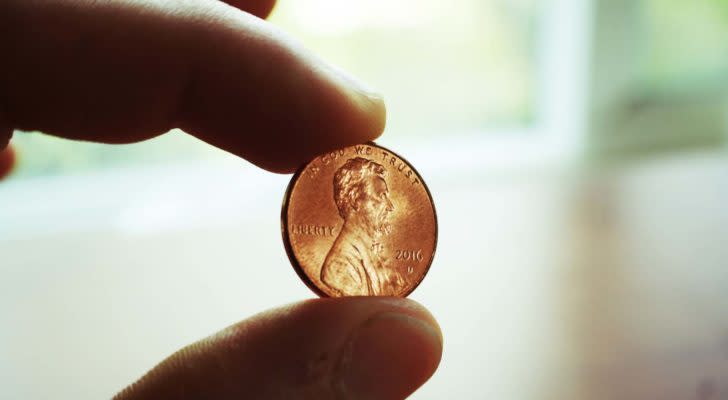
x=371, y=117
x=388, y=357
x=357, y=85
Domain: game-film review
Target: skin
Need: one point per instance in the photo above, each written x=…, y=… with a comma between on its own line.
x=121, y=71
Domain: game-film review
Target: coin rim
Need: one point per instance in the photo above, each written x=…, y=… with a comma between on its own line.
x=289, y=249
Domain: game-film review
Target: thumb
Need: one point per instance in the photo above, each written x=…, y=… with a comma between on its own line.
x=346, y=348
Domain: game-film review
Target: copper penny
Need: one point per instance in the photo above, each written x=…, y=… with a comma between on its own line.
x=359, y=221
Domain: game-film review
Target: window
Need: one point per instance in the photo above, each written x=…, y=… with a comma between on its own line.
x=443, y=68
x=686, y=54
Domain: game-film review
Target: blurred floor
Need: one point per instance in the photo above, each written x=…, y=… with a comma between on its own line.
x=610, y=284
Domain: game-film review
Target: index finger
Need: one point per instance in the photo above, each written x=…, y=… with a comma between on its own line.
x=125, y=70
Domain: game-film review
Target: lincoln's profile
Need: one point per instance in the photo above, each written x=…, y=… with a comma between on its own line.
x=354, y=265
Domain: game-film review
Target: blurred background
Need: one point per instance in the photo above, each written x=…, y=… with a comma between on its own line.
x=576, y=152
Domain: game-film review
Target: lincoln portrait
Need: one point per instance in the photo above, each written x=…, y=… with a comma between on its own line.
x=355, y=264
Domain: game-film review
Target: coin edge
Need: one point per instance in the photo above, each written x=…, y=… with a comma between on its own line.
x=289, y=248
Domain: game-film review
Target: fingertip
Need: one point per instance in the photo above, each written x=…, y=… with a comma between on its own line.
x=7, y=161
x=367, y=111
x=369, y=102
x=259, y=8
x=264, y=8
x=374, y=115
x=394, y=347
x=364, y=307
x=354, y=348
x=361, y=118
x=389, y=357
x=273, y=102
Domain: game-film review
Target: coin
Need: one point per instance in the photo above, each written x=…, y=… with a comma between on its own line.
x=359, y=221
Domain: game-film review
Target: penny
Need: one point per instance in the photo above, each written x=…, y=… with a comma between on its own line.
x=359, y=221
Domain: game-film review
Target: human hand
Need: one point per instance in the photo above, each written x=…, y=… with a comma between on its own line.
x=122, y=71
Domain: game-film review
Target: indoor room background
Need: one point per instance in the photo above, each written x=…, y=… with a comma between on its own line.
x=576, y=154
